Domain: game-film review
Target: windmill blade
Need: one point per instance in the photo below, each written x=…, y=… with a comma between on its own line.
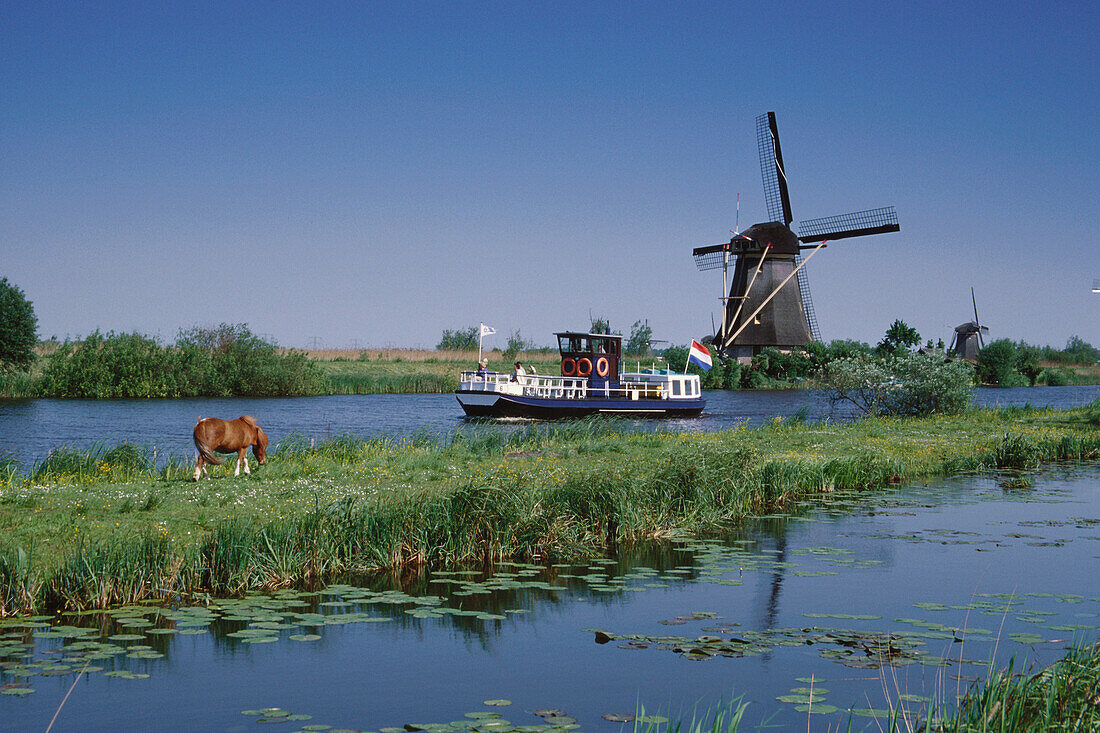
x=771, y=169
x=855, y=224
x=712, y=257
x=975, y=302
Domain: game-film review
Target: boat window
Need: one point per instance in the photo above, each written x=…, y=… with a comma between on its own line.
x=675, y=387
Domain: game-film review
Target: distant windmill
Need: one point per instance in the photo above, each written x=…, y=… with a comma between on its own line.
x=1096, y=286
x=968, y=341
x=760, y=310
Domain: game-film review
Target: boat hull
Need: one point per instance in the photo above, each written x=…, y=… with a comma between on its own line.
x=494, y=404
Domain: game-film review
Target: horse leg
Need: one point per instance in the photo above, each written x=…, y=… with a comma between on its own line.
x=246, y=471
x=240, y=457
x=199, y=468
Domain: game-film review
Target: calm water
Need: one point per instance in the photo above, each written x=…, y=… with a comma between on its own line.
x=958, y=571
x=29, y=429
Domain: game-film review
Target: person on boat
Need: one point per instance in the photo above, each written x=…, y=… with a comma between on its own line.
x=518, y=372
x=481, y=368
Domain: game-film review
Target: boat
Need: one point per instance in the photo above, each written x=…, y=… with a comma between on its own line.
x=590, y=383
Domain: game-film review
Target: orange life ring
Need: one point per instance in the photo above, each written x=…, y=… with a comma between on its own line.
x=602, y=367
x=568, y=367
x=584, y=367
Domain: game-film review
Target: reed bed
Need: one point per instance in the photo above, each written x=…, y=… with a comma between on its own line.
x=111, y=526
x=1062, y=697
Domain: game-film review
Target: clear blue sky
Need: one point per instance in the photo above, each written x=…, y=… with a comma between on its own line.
x=379, y=172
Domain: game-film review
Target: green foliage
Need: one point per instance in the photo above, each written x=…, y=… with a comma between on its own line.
x=1077, y=351
x=599, y=325
x=639, y=342
x=18, y=328
x=516, y=344
x=224, y=361
x=1081, y=351
x=463, y=339
x=997, y=363
x=913, y=384
x=1056, y=377
x=1027, y=362
x=898, y=339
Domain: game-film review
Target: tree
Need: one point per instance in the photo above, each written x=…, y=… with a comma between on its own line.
x=898, y=339
x=18, y=327
x=1081, y=351
x=599, y=325
x=997, y=364
x=516, y=344
x=459, y=340
x=640, y=337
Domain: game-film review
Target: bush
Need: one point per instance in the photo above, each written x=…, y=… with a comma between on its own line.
x=1056, y=377
x=18, y=328
x=639, y=343
x=226, y=361
x=913, y=384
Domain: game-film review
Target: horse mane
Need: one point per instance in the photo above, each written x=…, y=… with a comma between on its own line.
x=248, y=419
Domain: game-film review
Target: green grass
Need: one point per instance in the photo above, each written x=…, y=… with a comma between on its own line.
x=1062, y=697
x=546, y=492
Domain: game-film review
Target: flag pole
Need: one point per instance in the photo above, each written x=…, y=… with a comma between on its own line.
x=688, y=359
x=480, y=335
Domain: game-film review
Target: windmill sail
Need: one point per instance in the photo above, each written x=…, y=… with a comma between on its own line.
x=855, y=224
x=772, y=171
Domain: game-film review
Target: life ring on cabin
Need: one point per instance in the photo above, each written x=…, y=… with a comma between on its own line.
x=602, y=367
x=568, y=367
x=584, y=367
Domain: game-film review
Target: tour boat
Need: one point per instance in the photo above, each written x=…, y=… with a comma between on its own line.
x=590, y=383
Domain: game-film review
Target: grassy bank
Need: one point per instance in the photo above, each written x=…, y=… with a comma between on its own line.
x=91, y=528
x=1062, y=697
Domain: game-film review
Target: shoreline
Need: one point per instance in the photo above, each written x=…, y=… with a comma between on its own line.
x=112, y=530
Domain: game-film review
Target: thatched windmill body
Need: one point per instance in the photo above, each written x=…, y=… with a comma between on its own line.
x=968, y=341
x=768, y=301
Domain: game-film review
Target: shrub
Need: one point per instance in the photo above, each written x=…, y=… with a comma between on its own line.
x=1056, y=377
x=914, y=384
x=220, y=362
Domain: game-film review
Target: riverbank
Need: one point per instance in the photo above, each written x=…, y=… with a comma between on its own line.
x=95, y=528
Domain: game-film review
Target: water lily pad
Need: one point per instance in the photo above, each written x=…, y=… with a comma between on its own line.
x=16, y=691
x=817, y=709
x=497, y=703
x=305, y=637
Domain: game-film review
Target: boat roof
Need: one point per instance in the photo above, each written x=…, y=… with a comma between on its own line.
x=616, y=336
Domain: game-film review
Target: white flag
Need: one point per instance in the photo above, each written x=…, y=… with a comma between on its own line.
x=487, y=330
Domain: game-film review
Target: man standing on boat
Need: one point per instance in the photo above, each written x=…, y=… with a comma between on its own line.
x=481, y=365
x=518, y=372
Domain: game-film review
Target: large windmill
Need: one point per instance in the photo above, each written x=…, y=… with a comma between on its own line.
x=768, y=302
x=968, y=341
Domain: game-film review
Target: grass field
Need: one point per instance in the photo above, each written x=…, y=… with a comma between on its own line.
x=101, y=527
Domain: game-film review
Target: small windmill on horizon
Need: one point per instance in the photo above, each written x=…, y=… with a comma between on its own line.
x=968, y=341
x=768, y=302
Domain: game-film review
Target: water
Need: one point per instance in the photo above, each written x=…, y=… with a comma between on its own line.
x=962, y=570
x=29, y=429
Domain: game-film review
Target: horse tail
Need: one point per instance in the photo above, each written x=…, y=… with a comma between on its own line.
x=204, y=450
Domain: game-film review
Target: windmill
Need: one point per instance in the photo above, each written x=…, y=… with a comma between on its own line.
x=764, y=307
x=968, y=341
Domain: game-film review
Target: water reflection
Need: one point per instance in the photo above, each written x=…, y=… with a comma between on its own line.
x=930, y=580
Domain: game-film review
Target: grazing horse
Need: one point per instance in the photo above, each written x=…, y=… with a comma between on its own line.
x=229, y=436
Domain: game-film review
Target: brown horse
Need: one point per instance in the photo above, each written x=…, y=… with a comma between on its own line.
x=229, y=436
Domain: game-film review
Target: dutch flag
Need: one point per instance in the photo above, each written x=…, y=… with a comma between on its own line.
x=699, y=356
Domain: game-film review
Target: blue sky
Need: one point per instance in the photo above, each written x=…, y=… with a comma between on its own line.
x=374, y=173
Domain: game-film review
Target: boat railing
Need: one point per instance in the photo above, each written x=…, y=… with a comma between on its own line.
x=559, y=388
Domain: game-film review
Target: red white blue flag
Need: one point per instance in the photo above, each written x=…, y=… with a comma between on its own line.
x=699, y=355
